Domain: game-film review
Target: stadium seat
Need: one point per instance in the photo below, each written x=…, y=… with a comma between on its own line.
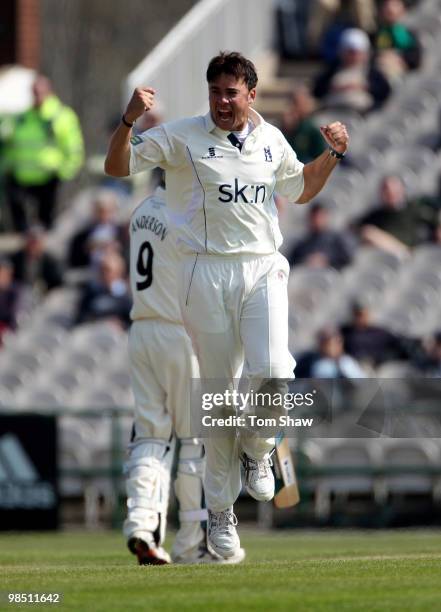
x=371, y=258
x=67, y=380
x=6, y=398
x=401, y=320
x=413, y=458
x=426, y=256
x=98, y=398
x=428, y=139
x=23, y=360
x=360, y=455
x=365, y=160
x=11, y=379
x=39, y=398
x=367, y=285
x=385, y=140
x=418, y=159
x=395, y=369
x=308, y=290
x=118, y=378
x=427, y=277
x=80, y=360
x=103, y=337
x=43, y=342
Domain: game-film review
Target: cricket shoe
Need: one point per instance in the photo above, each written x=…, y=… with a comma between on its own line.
x=148, y=553
x=259, y=478
x=222, y=534
x=204, y=556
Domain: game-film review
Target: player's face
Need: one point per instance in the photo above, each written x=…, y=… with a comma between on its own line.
x=230, y=100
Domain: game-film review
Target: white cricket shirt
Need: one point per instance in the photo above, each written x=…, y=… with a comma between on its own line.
x=221, y=198
x=154, y=262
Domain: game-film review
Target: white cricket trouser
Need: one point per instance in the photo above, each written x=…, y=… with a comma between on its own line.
x=235, y=309
x=162, y=364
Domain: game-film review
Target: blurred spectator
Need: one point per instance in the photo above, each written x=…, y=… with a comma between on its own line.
x=298, y=128
x=43, y=147
x=397, y=48
x=108, y=296
x=397, y=223
x=329, y=19
x=9, y=298
x=101, y=233
x=353, y=82
x=34, y=266
x=331, y=361
x=371, y=345
x=429, y=362
x=323, y=247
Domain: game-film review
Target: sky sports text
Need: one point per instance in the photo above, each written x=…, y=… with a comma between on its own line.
x=240, y=400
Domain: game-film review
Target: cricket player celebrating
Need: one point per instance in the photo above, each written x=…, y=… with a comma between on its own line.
x=222, y=170
x=162, y=364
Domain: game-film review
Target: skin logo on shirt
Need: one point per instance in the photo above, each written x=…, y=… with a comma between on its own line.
x=136, y=140
x=248, y=194
x=212, y=154
x=268, y=154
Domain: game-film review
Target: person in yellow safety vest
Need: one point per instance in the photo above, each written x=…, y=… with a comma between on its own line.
x=44, y=146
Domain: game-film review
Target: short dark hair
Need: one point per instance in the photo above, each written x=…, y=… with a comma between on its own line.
x=233, y=63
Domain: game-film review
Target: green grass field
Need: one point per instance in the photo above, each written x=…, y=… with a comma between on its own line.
x=285, y=570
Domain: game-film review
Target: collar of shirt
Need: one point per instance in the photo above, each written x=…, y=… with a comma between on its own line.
x=257, y=119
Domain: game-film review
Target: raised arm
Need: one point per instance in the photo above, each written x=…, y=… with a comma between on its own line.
x=316, y=173
x=118, y=153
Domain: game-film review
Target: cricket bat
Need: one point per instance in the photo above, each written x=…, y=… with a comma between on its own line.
x=287, y=491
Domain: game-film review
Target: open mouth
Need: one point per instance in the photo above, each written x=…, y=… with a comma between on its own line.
x=224, y=115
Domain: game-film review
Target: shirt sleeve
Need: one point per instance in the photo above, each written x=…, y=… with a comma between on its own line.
x=289, y=176
x=149, y=150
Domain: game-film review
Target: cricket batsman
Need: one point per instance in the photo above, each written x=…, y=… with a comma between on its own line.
x=222, y=170
x=162, y=365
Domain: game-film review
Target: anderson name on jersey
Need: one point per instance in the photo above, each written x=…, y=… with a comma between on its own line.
x=154, y=261
x=221, y=198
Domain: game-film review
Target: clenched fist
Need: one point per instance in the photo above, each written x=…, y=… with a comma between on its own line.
x=336, y=135
x=141, y=101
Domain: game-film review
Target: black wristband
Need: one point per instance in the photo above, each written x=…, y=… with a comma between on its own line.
x=126, y=123
x=336, y=154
